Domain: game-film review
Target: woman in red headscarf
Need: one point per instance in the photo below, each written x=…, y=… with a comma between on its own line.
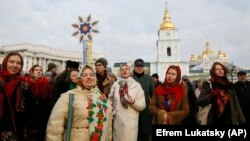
x=12, y=98
x=169, y=103
x=38, y=104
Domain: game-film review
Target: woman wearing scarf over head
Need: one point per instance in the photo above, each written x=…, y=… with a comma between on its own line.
x=128, y=99
x=169, y=103
x=38, y=104
x=92, y=112
x=219, y=92
x=12, y=98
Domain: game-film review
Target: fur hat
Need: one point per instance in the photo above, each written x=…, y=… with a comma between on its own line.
x=72, y=64
x=51, y=66
x=103, y=61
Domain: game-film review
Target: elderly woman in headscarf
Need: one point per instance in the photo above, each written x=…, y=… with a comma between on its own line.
x=127, y=100
x=169, y=103
x=91, y=116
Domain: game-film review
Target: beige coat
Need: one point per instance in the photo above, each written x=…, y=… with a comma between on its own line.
x=80, y=126
x=125, y=125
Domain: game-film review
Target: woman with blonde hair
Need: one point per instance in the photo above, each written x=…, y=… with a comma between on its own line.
x=127, y=100
x=92, y=114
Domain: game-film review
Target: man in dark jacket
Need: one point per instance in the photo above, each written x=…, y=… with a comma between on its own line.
x=193, y=108
x=147, y=84
x=242, y=88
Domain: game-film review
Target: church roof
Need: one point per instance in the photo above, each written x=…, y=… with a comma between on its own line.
x=167, y=23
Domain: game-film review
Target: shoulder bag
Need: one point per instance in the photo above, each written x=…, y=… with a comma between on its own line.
x=70, y=117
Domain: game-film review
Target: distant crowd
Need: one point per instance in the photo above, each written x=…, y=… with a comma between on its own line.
x=93, y=104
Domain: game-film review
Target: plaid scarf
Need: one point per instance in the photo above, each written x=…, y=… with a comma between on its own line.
x=123, y=90
x=220, y=85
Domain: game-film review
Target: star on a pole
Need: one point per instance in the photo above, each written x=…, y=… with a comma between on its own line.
x=84, y=29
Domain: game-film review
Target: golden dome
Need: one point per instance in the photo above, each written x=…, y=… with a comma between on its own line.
x=167, y=24
x=220, y=54
x=225, y=55
x=192, y=58
x=208, y=49
x=203, y=54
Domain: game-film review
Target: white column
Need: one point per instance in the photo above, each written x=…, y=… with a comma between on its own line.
x=39, y=61
x=30, y=62
x=35, y=60
x=24, y=64
x=44, y=63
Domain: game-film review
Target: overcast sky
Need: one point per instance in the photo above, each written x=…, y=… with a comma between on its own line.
x=128, y=28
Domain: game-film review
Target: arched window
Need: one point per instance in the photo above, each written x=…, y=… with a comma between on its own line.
x=169, y=51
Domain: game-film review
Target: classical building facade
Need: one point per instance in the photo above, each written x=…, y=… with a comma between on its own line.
x=168, y=49
x=43, y=55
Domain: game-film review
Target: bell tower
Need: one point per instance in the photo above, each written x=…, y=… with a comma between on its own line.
x=168, y=43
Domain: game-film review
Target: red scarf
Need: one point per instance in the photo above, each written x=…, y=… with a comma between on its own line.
x=40, y=87
x=9, y=82
x=11, y=85
x=168, y=89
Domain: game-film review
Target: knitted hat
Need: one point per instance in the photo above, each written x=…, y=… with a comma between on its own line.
x=51, y=66
x=103, y=61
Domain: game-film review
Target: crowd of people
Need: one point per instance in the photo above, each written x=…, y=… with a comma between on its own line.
x=93, y=104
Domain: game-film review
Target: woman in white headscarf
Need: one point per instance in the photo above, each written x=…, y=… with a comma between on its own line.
x=92, y=113
x=128, y=99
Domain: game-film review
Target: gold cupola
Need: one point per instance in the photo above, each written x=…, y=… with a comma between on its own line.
x=167, y=23
x=225, y=56
x=208, y=50
x=203, y=54
x=192, y=58
x=220, y=54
